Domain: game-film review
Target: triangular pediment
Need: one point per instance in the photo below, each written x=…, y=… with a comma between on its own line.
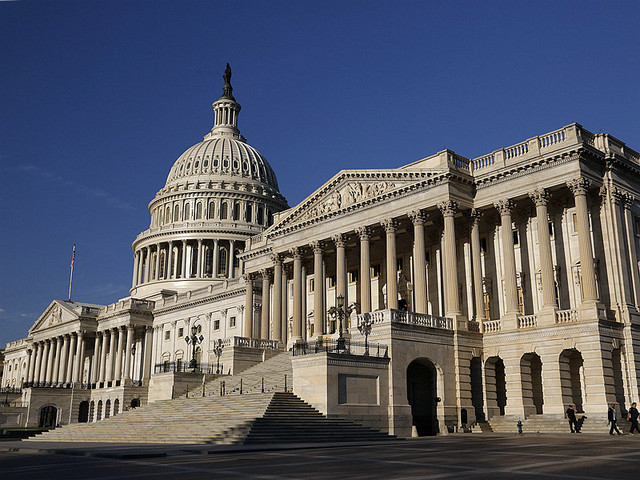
x=354, y=189
x=57, y=313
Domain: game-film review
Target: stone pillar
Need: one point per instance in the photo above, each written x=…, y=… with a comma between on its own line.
x=215, y=259
x=112, y=356
x=127, y=355
x=540, y=198
x=276, y=332
x=183, y=268
x=119, y=351
x=199, y=271
x=365, y=269
x=622, y=253
x=264, y=316
x=169, y=271
x=390, y=227
x=478, y=295
x=148, y=342
x=232, y=245
x=135, y=269
x=285, y=306
x=38, y=362
x=94, y=376
x=452, y=302
x=68, y=378
x=30, y=360
x=318, y=290
x=140, y=267
x=579, y=188
x=156, y=274
x=296, y=334
x=147, y=272
x=62, y=359
x=627, y=203
x=505, y=207
x=248, y=303
x=419, y=261
x=55, y=364
x=103, y=357
x=48, y=358
x=341, y=267
x=79, y=359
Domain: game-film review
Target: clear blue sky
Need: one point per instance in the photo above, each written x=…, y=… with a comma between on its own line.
x=99, y=98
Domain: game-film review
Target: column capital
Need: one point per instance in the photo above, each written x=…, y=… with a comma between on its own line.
x=475, y=215
x=540, y=197
x=364, y=233
x=276, y=258
x=296, y=253
x=418, y=217
x=248, y=278
x=340, y=240
x=317, y=247
x=265, y=274
x=504, y=207
x=240, y=308
x=579, y=186
x=617, y=196
x=389, y=225
x=627, y=201
x=448, y=208
x=130, y=327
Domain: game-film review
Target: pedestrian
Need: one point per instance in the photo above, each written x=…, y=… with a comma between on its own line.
x=613, y=419
x=570, y=415
x=632, y=416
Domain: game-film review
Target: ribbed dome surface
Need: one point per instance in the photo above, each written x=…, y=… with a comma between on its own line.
x=222, y=157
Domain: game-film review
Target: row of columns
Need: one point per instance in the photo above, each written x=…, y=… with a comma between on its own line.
x=56, y=361
x=448, y=209
x=181, y=265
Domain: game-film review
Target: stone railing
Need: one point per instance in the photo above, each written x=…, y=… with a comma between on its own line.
x=458, y=161
x=473, y=326
x=492, y=326
x=516, y=150
x=528, y=321
x=259, y=343
x=411, y=318
x=566, y=316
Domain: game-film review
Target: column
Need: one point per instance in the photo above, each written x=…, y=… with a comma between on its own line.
x=248, y=303
x=38, y=362
x=183, y=271
x=318, y=290
x=112, y=355
x=156, y=274
x=579, y=188
x=215, y=259
x=540, y=198
x=232, y=244
x=621, y=252
x=140, y=267
x=62, y=359
x=169, y=261
x=127, y=355
x=365, y=269
x=276, y=332
x=119, y=351
x=296, y=334
x=79, y=360
x=418, y=219
x=103, y=357
x=31, y=359
x=452, y=302
x=392, y=263
x=505, y=207
x=47, y=360
x=68, y=378
x=264, y=320
x=55, y=364
x=199, y=271
x=285, y=306
x=148, y=342
x=135, y=269
x=341, y=267
x=627, y=203
x=478, y=295
x=147, y=271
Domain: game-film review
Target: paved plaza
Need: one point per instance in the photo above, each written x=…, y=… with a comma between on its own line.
x=454, y=456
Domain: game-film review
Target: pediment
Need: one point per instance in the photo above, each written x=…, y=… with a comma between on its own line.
x=57, y=313
x=354, y=189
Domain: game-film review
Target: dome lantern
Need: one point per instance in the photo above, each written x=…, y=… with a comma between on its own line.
x=225, y=111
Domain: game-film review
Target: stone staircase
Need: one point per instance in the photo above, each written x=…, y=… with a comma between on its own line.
x=275, y=417
x=543, y=424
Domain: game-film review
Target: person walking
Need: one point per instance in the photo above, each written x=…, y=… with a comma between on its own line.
x=632, y=416
x=570, y=415
x=613, y=419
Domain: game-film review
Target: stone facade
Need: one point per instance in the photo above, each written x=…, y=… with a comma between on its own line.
x=508, y=284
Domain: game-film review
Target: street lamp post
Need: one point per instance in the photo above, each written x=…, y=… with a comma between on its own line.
x=365, y=329
x=193, y=340
x=339, y=313
x=217, y=350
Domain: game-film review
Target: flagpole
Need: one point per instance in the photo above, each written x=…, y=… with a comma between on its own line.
x=73, y=258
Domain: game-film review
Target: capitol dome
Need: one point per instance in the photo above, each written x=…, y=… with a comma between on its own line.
x=218, y=193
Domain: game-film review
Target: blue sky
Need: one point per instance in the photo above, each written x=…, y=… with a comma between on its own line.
x=99, y=98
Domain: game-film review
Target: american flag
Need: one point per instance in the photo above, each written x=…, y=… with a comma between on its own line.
x=73, y=256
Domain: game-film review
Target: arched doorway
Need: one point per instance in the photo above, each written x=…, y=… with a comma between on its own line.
x=422, y=396
x=571, y=371
x=476, y=388
x=531, y=378
x=618, y=379
x=48, y=416
x=496, y=386
x=135, y=402
x=83, y=412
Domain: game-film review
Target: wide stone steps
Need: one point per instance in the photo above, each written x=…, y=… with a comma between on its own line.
x=543, y=424
x=253, y=418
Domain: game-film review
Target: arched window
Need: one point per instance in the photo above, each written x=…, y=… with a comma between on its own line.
x=199, y=210
x=212, y=210
x=187, y=211
x=269, y=218
x=176, y=213
x=223, y=211
x=236, y=260
x=107, y=409
x=167, y=215
x=198, y=354
x=236, y=211
x=222, y=262
x=162, y=265
x=116, y=406
x=260, y=219
x=208, y=262
x=248, y=215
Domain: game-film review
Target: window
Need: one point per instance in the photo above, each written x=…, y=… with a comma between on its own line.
x=375, y=271
x=260, y=219
x=167, y=335
x=483, y=246
x=232, y=322
x=176, y=213
x=199, y=210
x=167, y=216
x=520, y=301
x=223, y=211
x=487, y=306
x=332, y=281
x=552, y=230
x=216, y=325
x=516, y=238
x=236, y=211
x=212, y=210
x=187, y=212
x=312, y=284
x=353, y=276
x=575, y=223
x=222, y=262
x=180, y=332
x=199, y=329
x=400, y=264
x=248, y=215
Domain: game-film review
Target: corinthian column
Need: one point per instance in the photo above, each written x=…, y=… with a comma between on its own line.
x=55, y=364
x=79, y=358
x=579, y=188
x=71, y=360
x=264, y=317
x=540, y=198
x=390, y=227
x=341, y=266
x=448, y=209
x=296, y=334
x=248, y=306
x=127, y=354
x=365, y=269
x=419, y=261
x=505, y=207
x=318, y=290
x=478, y=295
x=276, y=333
x=118, y=360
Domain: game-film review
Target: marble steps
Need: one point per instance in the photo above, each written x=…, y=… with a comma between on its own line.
x=542, y=424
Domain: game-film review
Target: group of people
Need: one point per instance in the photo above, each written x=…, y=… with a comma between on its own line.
x=632, y=417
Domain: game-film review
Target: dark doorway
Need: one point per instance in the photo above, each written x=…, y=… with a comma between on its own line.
x=476, y=388
x=48, y=417
x=421, y=394
x=496, y=386
x=83, y=412
x=135, y=403
x=531, y=379
x=571, y=370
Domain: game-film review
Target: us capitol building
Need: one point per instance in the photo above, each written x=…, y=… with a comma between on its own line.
x=416, y=300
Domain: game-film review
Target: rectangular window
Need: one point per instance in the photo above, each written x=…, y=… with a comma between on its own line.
x=312, y=284
x=575, y=223
x=483, y=245
x=400, y=264
x=375, y=271
x=552, y=230
x=232, y=322
x=167, y=335
x=332, y=281
x=180, y=332
x=353, y=276
x=516, y=238
x=520, y=301
x=216, y=325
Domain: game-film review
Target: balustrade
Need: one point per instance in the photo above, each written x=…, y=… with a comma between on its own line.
x=528, y=321
x=566, y=316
